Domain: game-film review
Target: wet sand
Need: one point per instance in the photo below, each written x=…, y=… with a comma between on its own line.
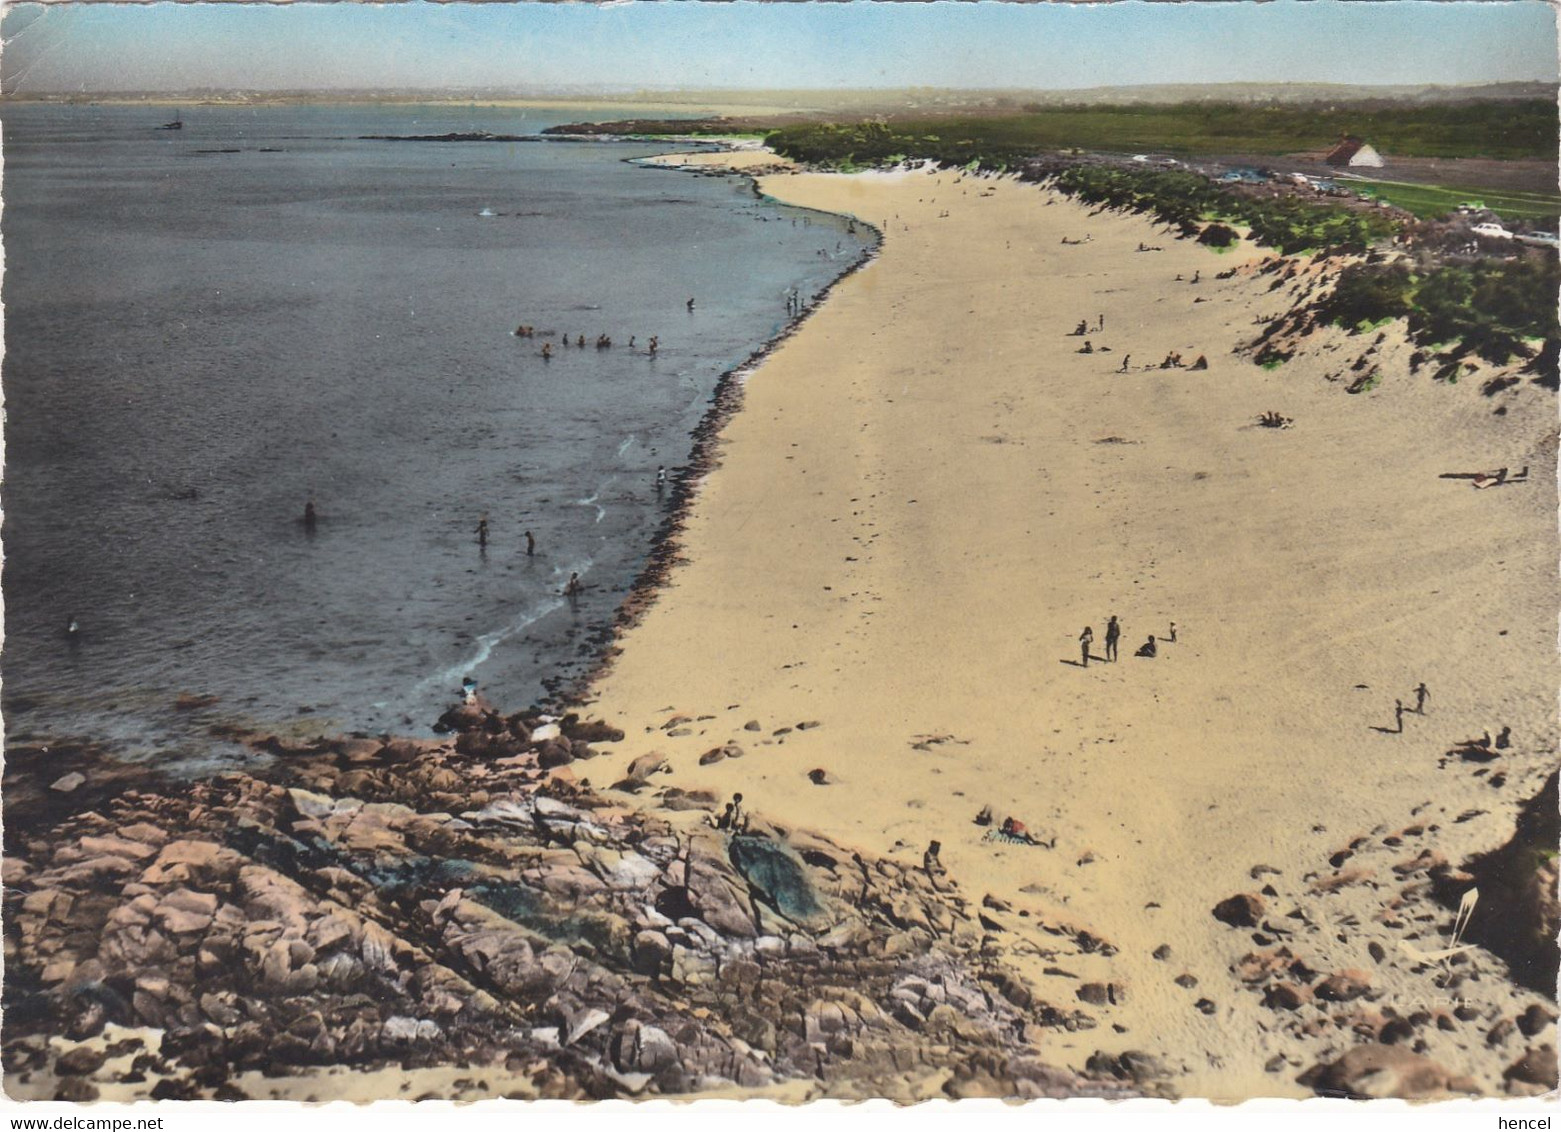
x=928, y=493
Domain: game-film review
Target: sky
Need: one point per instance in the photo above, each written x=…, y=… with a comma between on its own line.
x=702, y=46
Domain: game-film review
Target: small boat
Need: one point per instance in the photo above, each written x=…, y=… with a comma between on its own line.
x=176, y=124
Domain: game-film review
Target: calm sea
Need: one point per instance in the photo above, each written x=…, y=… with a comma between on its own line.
x=207, y=328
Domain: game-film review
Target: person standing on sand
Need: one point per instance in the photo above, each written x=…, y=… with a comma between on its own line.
x=1398, y=716
x=1421, y=696
x=653, y=341
x=531, y=545
x=1125, y=359
x=1113, y=634
x=661, y=479
x=1086, y=638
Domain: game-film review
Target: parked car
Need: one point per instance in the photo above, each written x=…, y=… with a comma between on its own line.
x=1491, y=231
x=1540, y=239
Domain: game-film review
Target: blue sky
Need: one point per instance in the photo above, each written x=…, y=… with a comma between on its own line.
x=754, y=45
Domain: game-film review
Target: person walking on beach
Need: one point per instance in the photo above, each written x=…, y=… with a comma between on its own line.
x=661, y=479
x=1086, y=638
x=573, y=588
x=1125, y=359
x=1113, y=634
x=691, y=306
x=310, y=518
x=531, y=545
x=1100, y=323
x=1398, y=717
x=482, y=531
x=1421, y=696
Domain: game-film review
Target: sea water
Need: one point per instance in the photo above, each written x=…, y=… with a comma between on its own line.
x=208, y=328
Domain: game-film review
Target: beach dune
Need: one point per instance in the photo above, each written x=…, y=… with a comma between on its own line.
x=927, y=495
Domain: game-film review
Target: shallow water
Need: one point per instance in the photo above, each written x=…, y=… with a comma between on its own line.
x=200, y=342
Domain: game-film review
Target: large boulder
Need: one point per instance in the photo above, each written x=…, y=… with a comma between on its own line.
x=777, y=875
x=1379, y=1071
x=1244, y=910
x=718, y=895
x=1518, y=915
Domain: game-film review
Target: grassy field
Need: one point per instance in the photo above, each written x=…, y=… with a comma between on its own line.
x=1435, y=201
x=1506, y=130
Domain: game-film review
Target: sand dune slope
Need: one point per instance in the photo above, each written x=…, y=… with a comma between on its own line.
x=928, y=494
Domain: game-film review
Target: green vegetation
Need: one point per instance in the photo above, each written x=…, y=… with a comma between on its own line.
x=1219, y=236
x=1365, y=295
x=1501, y=129
x=1490, y=306
x=1184, y=199
x=1433, y=201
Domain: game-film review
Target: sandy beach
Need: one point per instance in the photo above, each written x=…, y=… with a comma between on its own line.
x=928, y=493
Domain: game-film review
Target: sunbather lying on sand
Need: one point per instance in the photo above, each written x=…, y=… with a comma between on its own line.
x=1014, y=832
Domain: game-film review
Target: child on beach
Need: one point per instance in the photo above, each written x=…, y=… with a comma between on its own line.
x=1086, y=638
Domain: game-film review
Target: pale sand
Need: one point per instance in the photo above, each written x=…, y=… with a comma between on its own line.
x=914, y=516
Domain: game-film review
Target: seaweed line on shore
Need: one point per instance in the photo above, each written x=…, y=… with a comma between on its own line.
x=725, y=401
